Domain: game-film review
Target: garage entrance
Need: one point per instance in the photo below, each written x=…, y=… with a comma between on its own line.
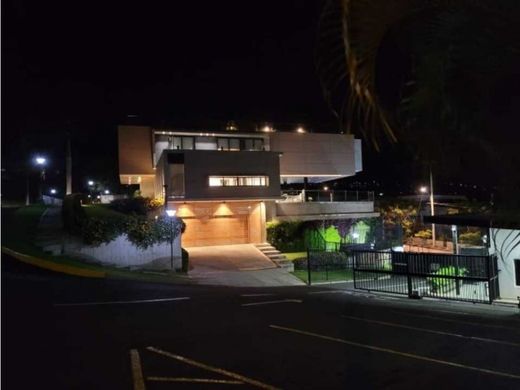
x=216, y=231
x=221, y=223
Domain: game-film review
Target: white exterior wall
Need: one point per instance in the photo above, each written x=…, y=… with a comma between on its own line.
x=502, y=243
x=122, y=253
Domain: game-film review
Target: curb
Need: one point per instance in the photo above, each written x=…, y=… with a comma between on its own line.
x=52, y=266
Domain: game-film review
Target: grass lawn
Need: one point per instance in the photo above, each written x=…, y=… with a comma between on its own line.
x=324, y=276
x=295, y=255
x=19, y=226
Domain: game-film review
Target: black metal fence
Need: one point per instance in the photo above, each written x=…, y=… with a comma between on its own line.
x=455, y=277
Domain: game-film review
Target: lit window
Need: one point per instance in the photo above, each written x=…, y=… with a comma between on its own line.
x=238, y=181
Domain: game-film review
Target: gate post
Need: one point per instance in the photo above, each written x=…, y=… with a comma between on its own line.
x=308, y=267
x=408, y=277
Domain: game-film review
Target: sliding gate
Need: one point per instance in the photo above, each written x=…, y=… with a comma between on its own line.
x=455, y=277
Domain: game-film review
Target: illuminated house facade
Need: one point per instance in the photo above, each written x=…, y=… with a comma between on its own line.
x=227, y=184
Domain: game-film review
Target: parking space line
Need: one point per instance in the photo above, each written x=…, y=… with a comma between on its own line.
x=395, y=352
x=272, y=302
x=193, y=380
x=137, y=371
x=207, y=367
x=123, y=302
x=439, y=332
x=457, y=321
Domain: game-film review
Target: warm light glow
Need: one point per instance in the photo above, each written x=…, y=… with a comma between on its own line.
x=171, y=213
x=238, y=181
x=325, y=188
x=223, y=210
x=423, y=189
x=40, y=160
x=300, y=130
x=267, y=129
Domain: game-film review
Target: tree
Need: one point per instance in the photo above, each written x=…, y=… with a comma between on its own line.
x=440, y=76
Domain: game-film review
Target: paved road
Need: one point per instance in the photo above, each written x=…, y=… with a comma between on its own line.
x=71, y=333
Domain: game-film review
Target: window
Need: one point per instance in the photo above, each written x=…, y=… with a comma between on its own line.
x=238, y=181
x=517, y=271
x=183, y=143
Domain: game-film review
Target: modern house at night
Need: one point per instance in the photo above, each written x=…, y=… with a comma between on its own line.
x=227, y=184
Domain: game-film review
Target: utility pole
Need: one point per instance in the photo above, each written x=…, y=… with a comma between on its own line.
x=432, y=207
x=68, y=167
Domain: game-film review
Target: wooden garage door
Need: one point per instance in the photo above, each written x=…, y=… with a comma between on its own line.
x=215, y=231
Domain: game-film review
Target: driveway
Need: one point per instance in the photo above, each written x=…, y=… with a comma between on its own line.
x=236, y=265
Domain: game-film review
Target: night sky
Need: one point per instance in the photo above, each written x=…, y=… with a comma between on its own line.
x=83, y=67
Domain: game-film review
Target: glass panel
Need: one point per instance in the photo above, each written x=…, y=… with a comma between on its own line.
x=187, y=143
x=177, y=144
x=223, y=144
x=238, y=181
x=259, y=144
x=248, y=144
x=215, y=181
x=234, y=144
x=206, y=143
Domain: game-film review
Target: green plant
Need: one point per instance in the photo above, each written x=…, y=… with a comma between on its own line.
x=137, y=205
x=471, y=238
x=426, y=234
x=286, y=236
x=439, y=284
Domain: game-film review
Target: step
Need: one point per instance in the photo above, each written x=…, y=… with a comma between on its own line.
x=263, y=246
x=280, y=256
x=271, y=252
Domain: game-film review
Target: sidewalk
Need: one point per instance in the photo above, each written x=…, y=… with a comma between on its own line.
x=49, y=235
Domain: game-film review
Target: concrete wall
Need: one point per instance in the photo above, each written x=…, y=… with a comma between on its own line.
x=122, y=253
x=318, y=208
x=199, y=165
x=502, y=243
x=135, y=152
x=316, y=154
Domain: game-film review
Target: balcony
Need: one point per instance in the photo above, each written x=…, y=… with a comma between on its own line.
x=295, y=196
x=321, y=205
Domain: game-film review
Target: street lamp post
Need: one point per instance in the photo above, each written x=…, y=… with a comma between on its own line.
x=41, y=161
x=171, y=214
x=432, y=207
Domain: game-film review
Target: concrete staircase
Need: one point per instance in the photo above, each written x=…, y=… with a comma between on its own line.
x=275, y=256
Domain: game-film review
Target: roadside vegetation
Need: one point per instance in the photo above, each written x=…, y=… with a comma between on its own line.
x=19, y=230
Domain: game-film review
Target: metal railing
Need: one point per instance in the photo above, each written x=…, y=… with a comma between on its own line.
x=453, y=277
x=327, y=196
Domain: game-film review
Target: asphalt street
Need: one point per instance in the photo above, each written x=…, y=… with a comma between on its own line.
x=72, y=333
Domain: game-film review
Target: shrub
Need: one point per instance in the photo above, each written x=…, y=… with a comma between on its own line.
x=446, y=284
x=137, y=205
x=73, y=214
x=471, y=238
x=185, y=260
x=286, y=236
x=96, y=231
x=426, y=234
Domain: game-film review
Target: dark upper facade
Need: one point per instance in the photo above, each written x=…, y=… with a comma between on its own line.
x=228, y=164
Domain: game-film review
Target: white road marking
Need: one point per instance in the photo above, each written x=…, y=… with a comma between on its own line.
x=439, y=332
x=193, y=380
x=137, y=371
x=272, y=302
x=394, y=352
x=123, y=302
x=257, y=295
x=457, y=321
x=212, y=369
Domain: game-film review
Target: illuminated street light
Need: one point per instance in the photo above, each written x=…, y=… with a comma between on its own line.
x=267, y=129
x=423, y=189
x=90, y=183
x=53, y=191
x=171, y=214
x=40, y=160
x=325, y=188
x=107, y=192
x=300, y=130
